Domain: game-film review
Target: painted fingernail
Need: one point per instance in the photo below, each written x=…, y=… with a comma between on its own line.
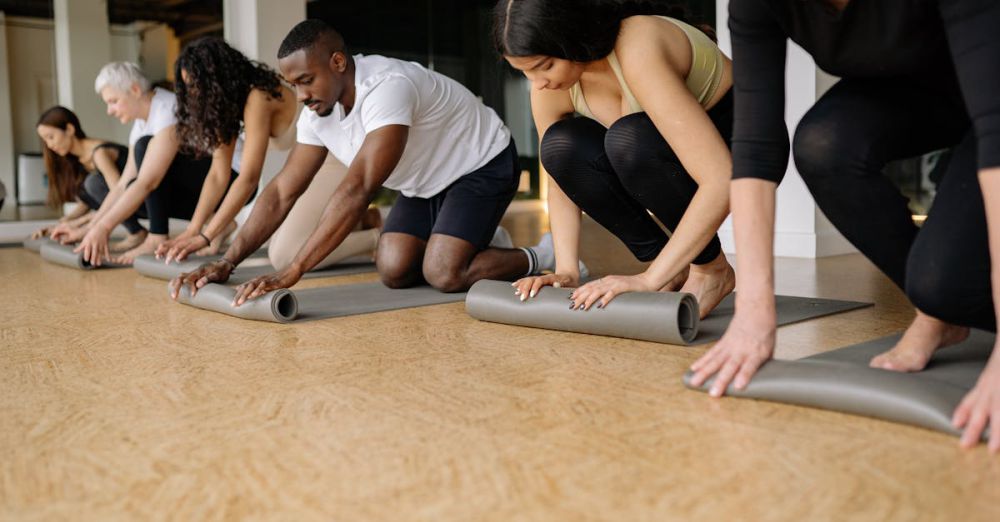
x=534, y=293
x=517, y=292
x=556, y=285
x=523, y=297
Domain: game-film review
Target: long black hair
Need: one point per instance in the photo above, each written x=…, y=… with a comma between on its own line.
x=66, y=173
x=576, y=30
x=210, y=104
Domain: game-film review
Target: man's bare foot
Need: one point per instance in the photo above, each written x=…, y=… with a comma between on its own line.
x=924, y=336
x=218, y=241
x=148, y=246
x=372, y=218
x=677, y=282
x=131, y=241
x=710, y=283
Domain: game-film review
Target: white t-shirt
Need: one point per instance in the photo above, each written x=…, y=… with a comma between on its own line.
x=451, y=132
x=162, y=114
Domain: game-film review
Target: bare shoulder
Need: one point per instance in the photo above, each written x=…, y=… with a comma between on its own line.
x=645, y=38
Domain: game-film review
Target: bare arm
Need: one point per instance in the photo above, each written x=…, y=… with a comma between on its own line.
x=213, y=188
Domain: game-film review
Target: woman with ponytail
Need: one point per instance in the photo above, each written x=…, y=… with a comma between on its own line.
x=634, y=113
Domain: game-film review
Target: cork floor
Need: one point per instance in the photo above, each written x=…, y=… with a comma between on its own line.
x=117, y=404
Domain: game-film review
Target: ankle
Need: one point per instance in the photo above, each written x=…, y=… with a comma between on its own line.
x=719, y=265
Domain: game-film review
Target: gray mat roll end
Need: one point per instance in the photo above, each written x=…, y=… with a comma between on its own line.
x=278, y=306
x=663, y=317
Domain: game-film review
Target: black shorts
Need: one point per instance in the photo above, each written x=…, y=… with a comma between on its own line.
x=469, y=209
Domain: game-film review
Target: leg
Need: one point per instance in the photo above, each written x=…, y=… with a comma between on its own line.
x=458, y=253
x=401, y=248
x=304, y=218
x=948, y=270
x=93, y=192
x=843, y=143
x=573, y=154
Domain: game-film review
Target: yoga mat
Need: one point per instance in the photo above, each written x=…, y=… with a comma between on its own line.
x=841, y=380
x=317, y=303
x=64, y=255
x=149, y=266
x=664, y=317
x=35, y=245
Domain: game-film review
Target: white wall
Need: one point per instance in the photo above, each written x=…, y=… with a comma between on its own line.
x=7, y=164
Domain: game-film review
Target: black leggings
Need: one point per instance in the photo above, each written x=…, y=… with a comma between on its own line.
x=615, y=175
x=177, y=194
x=95, y=189
x=841, y=147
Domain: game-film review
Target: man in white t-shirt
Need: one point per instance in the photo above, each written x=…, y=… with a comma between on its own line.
x=397, y=125
x=157, y=178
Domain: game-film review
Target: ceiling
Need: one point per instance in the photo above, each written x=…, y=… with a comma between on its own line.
x=185, y=17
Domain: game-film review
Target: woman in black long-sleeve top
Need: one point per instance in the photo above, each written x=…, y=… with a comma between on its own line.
x=917, y=75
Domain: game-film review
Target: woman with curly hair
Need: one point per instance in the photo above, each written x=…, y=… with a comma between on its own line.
x=221, y=97
x=69, y=156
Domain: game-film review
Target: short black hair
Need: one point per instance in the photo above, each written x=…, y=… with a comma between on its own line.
x=306, y=34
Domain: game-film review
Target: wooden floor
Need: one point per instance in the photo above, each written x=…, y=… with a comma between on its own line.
x=118, y=404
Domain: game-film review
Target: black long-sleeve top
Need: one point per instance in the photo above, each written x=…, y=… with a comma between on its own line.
x=949, y=45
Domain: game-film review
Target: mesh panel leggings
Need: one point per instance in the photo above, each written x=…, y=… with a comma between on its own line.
x=618, y=175
x=840, y=148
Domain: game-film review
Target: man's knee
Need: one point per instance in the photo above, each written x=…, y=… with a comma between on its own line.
x=398, y=261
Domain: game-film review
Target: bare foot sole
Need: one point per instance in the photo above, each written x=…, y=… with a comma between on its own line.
x=710, y=283
x=924, y=336
x=147, y=247
x=131, y=241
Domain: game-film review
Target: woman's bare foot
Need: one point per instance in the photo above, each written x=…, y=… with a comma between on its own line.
x=924, y=336
x=677, y=282
x=215, y=246
x=148, y=246
x=131, y=241
x=710, y=283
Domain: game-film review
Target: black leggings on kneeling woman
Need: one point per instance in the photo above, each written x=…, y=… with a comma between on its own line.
x=618, y=175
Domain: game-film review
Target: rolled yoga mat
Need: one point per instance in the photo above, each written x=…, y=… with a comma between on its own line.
x=64, y=255
x=321, y=303
x=35, y=245
x=664, y=317
x=279, y=306
x=149, y=266
x=840, y=380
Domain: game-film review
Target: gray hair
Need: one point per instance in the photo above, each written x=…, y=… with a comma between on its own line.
x=120, y=76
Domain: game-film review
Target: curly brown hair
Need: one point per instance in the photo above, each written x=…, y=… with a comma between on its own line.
x=218, y=82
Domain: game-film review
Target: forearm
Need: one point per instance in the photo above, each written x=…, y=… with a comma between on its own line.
x=339, y=218
x=989, y=182
x=78, y=211
x=123, y=207
x=699, y=224
x=211, y=192
x=564, y=221
x=268, y=213
x=236, y=197
x=753, y=205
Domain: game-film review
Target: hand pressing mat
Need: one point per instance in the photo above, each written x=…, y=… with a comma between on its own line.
x=664, y=317
x=63, y=255
x=284, y=306
x=149, y=266
x=840, y=380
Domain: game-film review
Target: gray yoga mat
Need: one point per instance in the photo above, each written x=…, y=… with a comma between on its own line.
x=664, y=317
x=149, y=266
x=35, y=245
x=64, y=255
x=316, y=303
x=840, y=380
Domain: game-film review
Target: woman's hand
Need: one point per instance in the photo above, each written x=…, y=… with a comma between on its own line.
x=179, y=248
x=528, y=287
x=746, y=345
x=981, y=407
x=603, y=290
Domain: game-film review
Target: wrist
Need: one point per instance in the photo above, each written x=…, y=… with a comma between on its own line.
x=206, y=238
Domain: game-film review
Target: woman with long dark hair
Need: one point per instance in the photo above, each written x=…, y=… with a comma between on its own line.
x=655, y=116
x=914, y=77
x=81, y=170
x=223, y=96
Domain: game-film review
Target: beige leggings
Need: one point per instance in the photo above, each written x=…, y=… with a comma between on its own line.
x=305, y=216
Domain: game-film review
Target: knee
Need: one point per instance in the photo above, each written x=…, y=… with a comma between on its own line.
x=819, y=151
x=140, y=148
x=931, y=291
x=395, y=275
x=559, y=145
x=95, y=186
x=445, y=279
x=635, y=146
